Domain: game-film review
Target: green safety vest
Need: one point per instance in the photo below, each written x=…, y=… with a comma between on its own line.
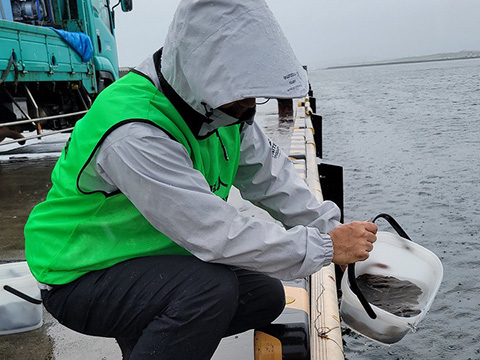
x=73, y=231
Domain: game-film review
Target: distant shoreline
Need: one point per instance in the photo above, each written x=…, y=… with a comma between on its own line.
x=400, y=62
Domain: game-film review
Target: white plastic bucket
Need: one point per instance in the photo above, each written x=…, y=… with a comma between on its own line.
x=403, y=259
x=16, y=314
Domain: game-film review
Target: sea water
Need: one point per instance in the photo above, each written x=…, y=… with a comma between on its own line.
x=408, y=137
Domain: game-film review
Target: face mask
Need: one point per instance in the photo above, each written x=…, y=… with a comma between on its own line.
x=219, y=118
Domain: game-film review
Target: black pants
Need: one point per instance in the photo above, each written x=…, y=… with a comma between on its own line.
x=166, y=307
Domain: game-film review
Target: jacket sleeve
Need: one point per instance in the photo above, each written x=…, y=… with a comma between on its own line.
x=157, y=175
x=267, y=178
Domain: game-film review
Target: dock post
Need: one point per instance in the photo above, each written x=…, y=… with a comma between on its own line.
x=285, y=109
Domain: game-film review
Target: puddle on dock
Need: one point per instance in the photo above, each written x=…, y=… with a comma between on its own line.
x=23, y=184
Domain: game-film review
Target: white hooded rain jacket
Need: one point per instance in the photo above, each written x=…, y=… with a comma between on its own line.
x=217, y=52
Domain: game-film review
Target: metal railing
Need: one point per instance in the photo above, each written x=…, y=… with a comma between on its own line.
x=37, y=121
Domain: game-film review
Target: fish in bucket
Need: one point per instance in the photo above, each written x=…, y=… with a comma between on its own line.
x=387, y=295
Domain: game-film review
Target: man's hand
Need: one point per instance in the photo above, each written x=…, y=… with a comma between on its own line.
x=353, y=242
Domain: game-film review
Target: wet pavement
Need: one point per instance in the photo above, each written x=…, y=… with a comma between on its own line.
x=24, y=182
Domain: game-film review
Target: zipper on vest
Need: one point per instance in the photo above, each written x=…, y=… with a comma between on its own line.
x=225, y=154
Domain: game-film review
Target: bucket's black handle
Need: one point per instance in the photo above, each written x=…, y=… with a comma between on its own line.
x=393, y=223
x=356, y=290
x=352, y=279
x=22, y=295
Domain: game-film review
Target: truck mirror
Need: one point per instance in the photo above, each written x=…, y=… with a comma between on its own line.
x=127, y=5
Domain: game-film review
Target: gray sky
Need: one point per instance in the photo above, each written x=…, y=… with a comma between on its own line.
x=329, y=32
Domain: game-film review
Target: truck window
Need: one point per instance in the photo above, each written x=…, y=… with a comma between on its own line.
x=100, y=8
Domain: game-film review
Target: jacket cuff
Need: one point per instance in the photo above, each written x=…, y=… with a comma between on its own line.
x=328, y=246
x=319, y=252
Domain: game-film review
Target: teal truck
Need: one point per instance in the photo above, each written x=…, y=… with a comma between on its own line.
x=55, y=57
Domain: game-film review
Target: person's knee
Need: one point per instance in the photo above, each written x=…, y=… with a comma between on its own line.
x=214, y=292
x=225, y=289
x=277, y=298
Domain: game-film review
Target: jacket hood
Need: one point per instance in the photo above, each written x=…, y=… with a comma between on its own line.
x=220, y=51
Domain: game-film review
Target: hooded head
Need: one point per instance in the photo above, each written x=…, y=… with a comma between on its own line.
x=221, y=51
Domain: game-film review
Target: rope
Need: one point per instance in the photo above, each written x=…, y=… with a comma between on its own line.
x=322, y=331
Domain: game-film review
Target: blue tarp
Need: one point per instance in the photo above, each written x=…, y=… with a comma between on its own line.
x=80, y=42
